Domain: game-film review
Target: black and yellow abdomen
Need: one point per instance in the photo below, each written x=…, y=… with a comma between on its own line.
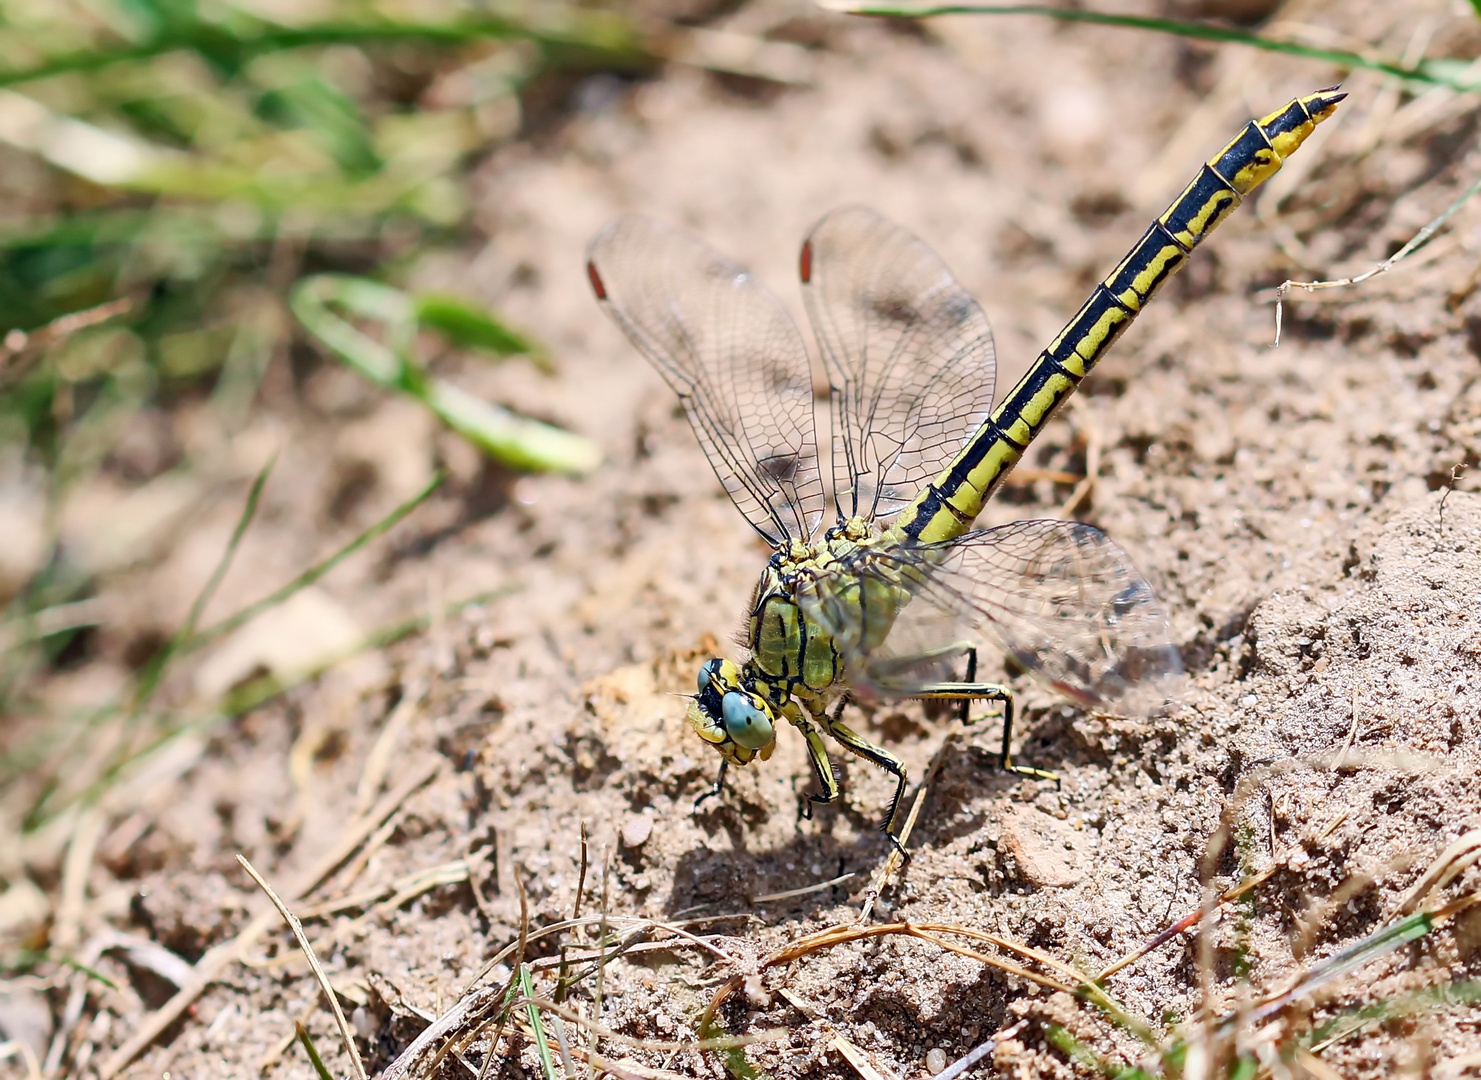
x=948, y=506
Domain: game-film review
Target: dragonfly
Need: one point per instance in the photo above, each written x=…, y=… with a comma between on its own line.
x=884, y=601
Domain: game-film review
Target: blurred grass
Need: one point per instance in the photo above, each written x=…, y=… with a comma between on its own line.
x=175, y=152
x=170, y=168
x=1454, y=74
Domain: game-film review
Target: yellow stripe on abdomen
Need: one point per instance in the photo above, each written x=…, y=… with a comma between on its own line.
x=950, y=503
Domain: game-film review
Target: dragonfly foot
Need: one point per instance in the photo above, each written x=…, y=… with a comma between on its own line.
x=715, y=789
x=899, y=847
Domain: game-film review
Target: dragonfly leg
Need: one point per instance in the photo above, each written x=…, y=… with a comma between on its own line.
x=968, y=692
x=971, y=678
x=857, y=744
x=817, y=756
x=715, y=789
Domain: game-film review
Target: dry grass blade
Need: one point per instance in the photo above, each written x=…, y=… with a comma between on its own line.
x=22, y=1050
x=1417, y=241
x=308, y=951
x=1187, y=921
x=846, y=932
x=209, y=967
x=893, y=860
x=856, y=1057
x=806, y=890
x=1452, y=862
x=976, y=1054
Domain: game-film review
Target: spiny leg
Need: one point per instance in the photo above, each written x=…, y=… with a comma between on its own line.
x=817, y=756
x=715, y=789
x=857, y=744
x=968, y=692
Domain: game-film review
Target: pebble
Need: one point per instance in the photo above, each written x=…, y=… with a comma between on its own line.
x=935, y=1061
x=636, y=830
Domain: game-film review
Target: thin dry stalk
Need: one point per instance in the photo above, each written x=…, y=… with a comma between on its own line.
x=1450, y=864
x=21, y=1049
x=562, y=985
x=808, y=890
x=846, y=932
x=1091, y=435
x=519, y=959
x=76, y=869
x=857, y=1058
x=894, y=858
x=1417, y=241
x=383, y=750
x=345, y=1033
x=1188, y=920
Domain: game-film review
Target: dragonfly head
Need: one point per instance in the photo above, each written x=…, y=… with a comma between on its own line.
x=735, y=720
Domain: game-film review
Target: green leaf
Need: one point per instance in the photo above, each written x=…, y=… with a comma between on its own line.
x=465, y=323
x=517, y=441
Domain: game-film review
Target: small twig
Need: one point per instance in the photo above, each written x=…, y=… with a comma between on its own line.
x=16, y=342
x=1417, y=241
x=308, y=951
x=1226, y=898
x=1456, y=472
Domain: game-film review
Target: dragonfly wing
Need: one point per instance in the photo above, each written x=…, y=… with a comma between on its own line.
x=908, y=352
x=1061, y=597
x=725, y=344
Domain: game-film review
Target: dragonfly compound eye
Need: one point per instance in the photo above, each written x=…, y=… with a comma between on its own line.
x=745, y=723
x=707, y=673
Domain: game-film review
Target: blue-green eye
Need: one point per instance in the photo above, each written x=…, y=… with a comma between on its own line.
x=746, y=724
x=707, y=673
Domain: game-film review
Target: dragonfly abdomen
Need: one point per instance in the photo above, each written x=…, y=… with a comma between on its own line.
x=947, y=507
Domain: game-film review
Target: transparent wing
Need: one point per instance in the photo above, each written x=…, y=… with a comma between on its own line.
x=1060, y=596
x=908, y=352
x=728, y=348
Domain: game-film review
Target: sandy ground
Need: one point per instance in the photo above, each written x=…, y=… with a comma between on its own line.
x=1292, y=506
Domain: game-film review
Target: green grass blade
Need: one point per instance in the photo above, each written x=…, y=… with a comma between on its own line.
x=309, y=301
x=515, y=440
x=313, y=573
x=589, y=38
x=519, y=442
x=154, y=670
x=1349, y=959
x=1431, y=72
x=468, y=324
x=527, y=988
x=308, y=1048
